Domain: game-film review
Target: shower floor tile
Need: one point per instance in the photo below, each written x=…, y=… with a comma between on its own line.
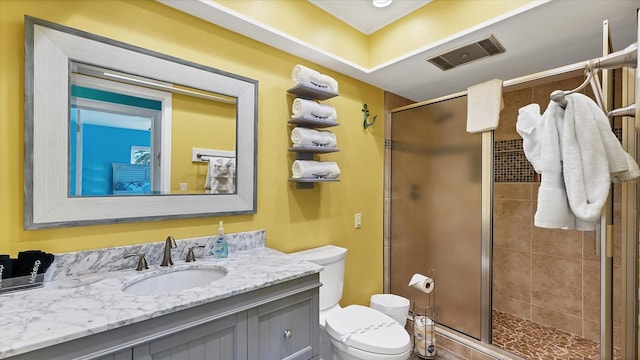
x=533, y=341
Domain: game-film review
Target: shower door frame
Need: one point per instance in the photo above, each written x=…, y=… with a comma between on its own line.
x=630, y=224
x=486, y=249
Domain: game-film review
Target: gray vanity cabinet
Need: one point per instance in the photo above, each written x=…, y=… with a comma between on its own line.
x=272, y=323
x=122, y=355
x=223, y=339
x=285, y=329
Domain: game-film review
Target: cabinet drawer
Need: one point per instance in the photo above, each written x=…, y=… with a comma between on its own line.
x=122, y=355
x=223, y=339
x=286, y=328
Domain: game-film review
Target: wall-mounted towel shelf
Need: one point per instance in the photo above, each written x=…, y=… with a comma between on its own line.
x=308, y=90
x=308, y=121
x=310, y=181
x=313, y=149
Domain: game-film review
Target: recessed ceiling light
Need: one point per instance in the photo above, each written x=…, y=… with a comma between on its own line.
x=382, y=3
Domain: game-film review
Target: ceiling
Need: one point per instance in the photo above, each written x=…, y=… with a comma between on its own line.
x=366, y=18
x=543, y=35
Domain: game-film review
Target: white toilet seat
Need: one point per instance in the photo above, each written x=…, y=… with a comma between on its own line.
x=353, y=353
x=367, y=333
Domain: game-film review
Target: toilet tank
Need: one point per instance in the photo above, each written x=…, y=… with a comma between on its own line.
x=332, y=259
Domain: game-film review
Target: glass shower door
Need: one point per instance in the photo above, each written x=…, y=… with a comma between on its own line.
x=436, y=213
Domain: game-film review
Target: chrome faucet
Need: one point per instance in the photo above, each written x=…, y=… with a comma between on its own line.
x=190, y=255
x=142, y=262
x=169, y=244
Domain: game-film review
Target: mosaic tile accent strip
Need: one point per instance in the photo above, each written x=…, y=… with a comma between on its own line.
x=510, y=163
x=533, y=341
x=618, y=133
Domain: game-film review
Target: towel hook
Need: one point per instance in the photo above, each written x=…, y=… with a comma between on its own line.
x=558, y=95
x=365, y=111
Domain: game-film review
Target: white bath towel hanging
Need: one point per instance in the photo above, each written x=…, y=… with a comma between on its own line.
x=632, y=172
x=484, y=103
x=221, y=175
x=578, y=156
x=592, y=155
x=540, y=134
x=530, y=127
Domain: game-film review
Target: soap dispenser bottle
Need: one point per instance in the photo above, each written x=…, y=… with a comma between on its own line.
x=220, y=247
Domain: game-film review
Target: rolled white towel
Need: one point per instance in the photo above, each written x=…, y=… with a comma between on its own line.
x=327, y=139
x=311, y=137
x=303, y=74
x=302, y=107
x=315, y=169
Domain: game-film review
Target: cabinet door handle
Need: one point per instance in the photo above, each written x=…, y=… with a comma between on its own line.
x=288, y=334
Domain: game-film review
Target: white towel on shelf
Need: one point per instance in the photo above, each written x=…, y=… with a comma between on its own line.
x=303, y=74
x=304, y=107
x=484, y=103
x=301, y=136
x=302, y=169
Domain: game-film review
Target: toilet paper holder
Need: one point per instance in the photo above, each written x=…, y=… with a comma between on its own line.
x=423, y=316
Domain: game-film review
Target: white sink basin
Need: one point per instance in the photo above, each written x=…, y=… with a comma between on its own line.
x=174, y=281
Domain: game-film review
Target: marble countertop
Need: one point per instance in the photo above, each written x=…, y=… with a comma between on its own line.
x=74, y=307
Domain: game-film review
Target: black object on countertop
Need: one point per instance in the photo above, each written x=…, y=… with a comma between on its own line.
x=7, y=266
x=25, y=272
x=27, y=260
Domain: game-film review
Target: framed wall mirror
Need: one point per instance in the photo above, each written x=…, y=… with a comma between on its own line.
x=117, y=133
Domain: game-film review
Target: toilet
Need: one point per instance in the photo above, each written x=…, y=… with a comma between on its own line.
x=354, y=332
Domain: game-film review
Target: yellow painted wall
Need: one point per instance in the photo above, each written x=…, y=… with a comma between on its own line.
x=189, y=115
x=307, y=23
x=293, y=219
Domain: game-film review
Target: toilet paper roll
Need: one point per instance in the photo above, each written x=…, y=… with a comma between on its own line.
x=422, y=283
x=423, y=332
x=423, y=329
x=426, y=348
x=424, y=336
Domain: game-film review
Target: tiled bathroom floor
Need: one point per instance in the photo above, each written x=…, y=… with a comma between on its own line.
x=537, y=342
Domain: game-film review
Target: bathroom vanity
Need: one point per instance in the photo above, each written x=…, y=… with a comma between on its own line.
x=265, y=307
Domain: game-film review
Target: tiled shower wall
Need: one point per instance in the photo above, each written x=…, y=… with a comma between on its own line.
x=551, y=277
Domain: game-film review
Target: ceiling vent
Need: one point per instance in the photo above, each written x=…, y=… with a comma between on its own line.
x=468, y=53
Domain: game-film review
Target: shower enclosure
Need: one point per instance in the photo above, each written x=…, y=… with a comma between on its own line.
x=463, y=205
x=436, y=209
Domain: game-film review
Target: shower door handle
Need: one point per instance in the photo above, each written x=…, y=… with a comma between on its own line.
x=598, y=243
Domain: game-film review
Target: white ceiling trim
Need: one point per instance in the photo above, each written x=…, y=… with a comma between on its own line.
x=365, y=17
x=232, y=20
x=541, y=35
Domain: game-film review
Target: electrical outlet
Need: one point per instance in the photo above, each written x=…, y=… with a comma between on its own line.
x=358, y=221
